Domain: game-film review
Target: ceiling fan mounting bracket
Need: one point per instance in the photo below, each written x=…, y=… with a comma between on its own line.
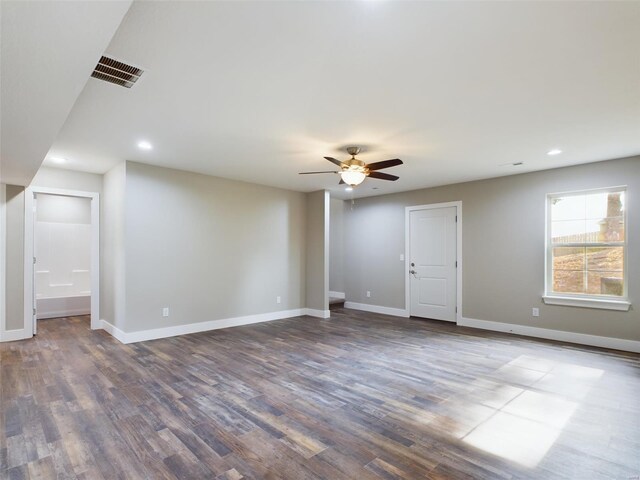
x=353, y=151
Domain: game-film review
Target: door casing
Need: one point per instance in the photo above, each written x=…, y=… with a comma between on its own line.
x=29, y=219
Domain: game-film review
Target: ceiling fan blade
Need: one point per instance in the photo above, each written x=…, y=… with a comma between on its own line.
x=333, y=160
x=383, y=176
x=341, y=182
x=384, y=164
x=313, y=173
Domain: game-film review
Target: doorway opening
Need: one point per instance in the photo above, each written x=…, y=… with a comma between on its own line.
x=62, y=267
x=433, y=236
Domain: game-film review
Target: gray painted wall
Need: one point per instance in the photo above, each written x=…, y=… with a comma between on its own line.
x=503, y=247
x=14, y=309
x=112, y=248
x=3, y=254
x=317, y=251
x=336, y=245
x=67, y=179
x=209, y=248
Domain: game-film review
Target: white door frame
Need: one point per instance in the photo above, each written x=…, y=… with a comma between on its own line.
x=29, y=221
x=407, y=256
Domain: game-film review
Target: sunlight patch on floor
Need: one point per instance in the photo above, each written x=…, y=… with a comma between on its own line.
x=513, y=438
x=526, y=419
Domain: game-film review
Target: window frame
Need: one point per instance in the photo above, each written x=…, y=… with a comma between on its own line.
x=609, y=302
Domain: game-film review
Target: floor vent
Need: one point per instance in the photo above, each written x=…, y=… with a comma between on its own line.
x=113, y=71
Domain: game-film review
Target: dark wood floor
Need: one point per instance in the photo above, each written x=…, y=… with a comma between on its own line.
x=357, y=396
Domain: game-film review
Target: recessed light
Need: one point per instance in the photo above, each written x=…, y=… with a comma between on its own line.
x=58, y=159
x=348, y=189
x=555, y=151
x=144, y=145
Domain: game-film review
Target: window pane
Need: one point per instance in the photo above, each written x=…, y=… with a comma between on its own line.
x=596, y=205
x=568, y=231
x=600, y=205
x=566, y=281
x=595, y=218
x=605, y=283
x=610, y=229
x=569, y=258
x=609, y=259
x=568, y=208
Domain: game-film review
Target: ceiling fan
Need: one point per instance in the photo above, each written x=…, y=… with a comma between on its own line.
x=354, y=171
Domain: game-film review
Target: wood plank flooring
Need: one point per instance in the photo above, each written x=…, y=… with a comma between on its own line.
x=359, y=395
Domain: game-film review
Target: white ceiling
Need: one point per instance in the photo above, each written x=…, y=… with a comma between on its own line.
x=259, y=91
x=47, y=51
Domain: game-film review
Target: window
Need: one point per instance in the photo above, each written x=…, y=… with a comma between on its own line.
x=586, y=249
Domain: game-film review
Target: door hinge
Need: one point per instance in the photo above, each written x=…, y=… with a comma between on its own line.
x=456, y=263
x=456, y=309
x=34, y=260
x=34, y=312
x=456, y=218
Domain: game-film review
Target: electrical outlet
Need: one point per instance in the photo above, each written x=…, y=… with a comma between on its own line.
x=278, y=299
x=402, y=257
x=165, y=312
x=535, y=312
x=368, y=294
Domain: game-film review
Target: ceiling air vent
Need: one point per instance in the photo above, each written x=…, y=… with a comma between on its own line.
x=113, y=71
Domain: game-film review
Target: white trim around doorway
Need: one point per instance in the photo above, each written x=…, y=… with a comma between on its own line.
x=30, y=193
x=407, y=261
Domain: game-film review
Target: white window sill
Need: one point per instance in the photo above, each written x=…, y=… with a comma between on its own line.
x=606, y=304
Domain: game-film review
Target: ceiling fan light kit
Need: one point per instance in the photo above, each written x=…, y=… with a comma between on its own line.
x=353, y=177
x=353, y=172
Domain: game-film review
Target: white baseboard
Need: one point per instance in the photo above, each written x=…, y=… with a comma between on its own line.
x=164, y=332
x=13, y=335
x=398, y=312
x=337, y=294
x=569, y=337
x=114, y=331
x=317, y=313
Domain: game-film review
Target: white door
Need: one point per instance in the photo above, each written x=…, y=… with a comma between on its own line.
x=432, y=260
